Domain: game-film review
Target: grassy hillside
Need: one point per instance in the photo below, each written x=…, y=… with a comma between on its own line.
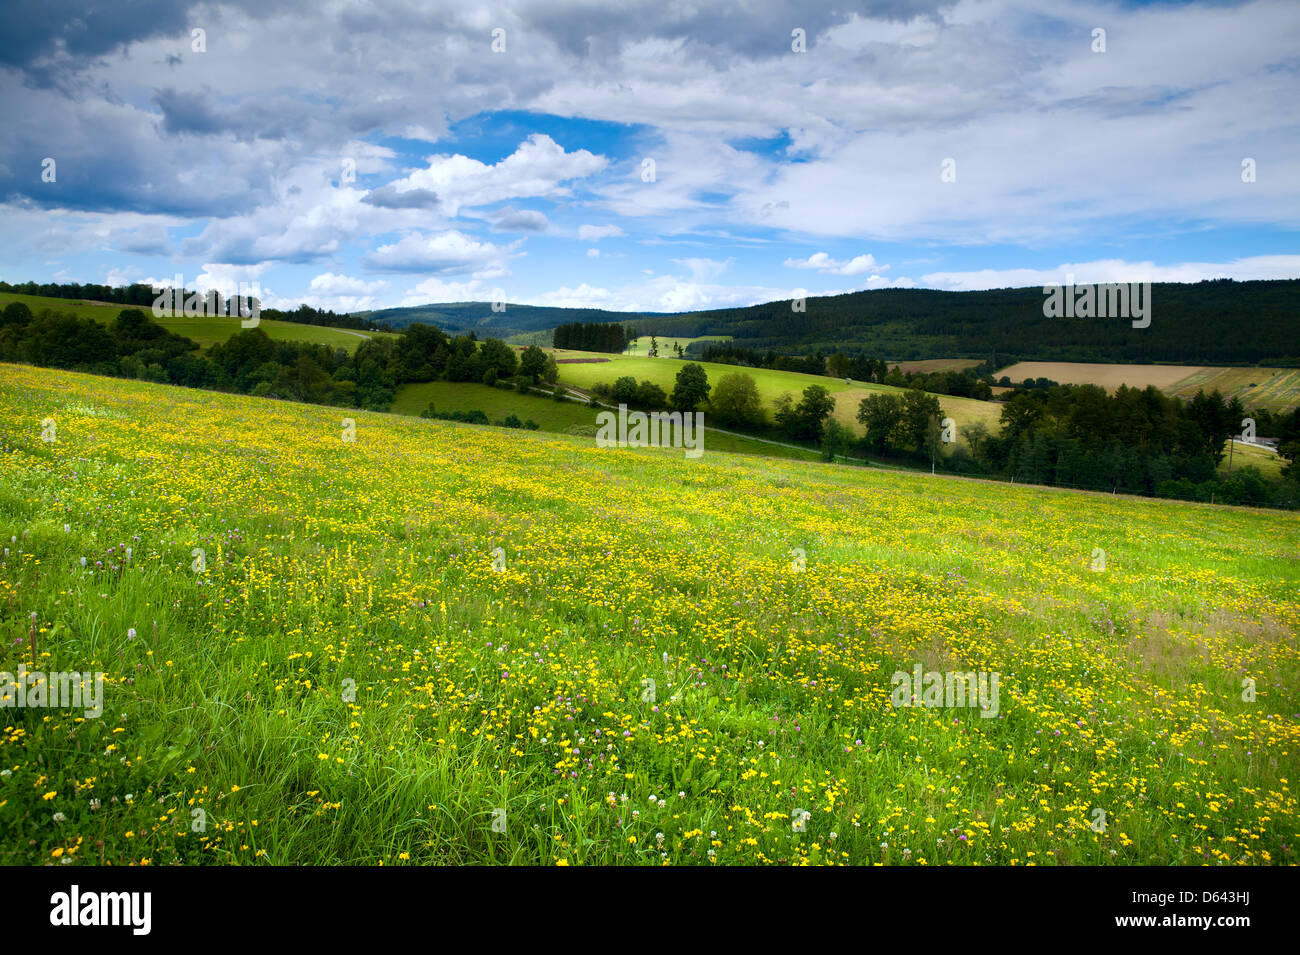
x=550, y=415
x=771, y=385
x=482, y=318
x=1277, y=389
x=348, y=678
x=206, y=331
x=640, y=347
x=1270, y=464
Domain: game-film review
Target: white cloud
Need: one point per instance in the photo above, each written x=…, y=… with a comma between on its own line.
x=584, y=296
x=437, y=290
x=702, y=269
x=328, y=283
x=444, y=252
x=1056, y=147
x=594, y=233
x=537, y=168
x=226, y=278
x=822, y=262
x=1118, y=270
x=662, y=293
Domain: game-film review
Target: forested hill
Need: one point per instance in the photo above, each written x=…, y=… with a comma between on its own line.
x=462, y=317
x=1211, y=322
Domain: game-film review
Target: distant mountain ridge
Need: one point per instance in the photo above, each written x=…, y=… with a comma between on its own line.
x=479, y=317
x=1219, y=321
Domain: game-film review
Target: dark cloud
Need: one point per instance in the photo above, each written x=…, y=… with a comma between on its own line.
x=189, y=112
x=112, y=158
x=386, y=197
x=753, y=30
x=45, y=39
x=519, y=220
x=30, y=32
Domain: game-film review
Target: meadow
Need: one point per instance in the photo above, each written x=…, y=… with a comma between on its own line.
x=640, y=347
x=931, y=365
x=771, y=384
x=439, y=643
x=1277, y=389
x=568, y=417
x=1269, y=462
x=207, y=331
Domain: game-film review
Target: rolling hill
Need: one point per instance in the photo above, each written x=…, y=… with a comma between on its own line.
x=480, y=317
x=1219, y=322
x=206, y=331
x=439, y=643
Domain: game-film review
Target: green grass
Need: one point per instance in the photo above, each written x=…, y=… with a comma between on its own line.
x=1277, y=389
x=206, y=331
x=771, y=385
x=617, y=652
x=640, y=347
x=496, y=403
x=549, y=414
x=1270, y=463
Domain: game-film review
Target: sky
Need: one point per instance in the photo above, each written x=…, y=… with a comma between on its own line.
x=645, y=156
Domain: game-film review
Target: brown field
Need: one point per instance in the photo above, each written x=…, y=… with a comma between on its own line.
x=1277, y=389
x=1108, y=376
x=934, y=364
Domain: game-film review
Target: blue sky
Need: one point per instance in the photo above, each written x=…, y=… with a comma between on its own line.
x=369, y=155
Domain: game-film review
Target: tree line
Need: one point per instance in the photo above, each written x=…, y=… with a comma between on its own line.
x=1134, y=441
x=144, y=296
x=610, y=337
x=1211, y=322
x=133, y=345
x=975, y=382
